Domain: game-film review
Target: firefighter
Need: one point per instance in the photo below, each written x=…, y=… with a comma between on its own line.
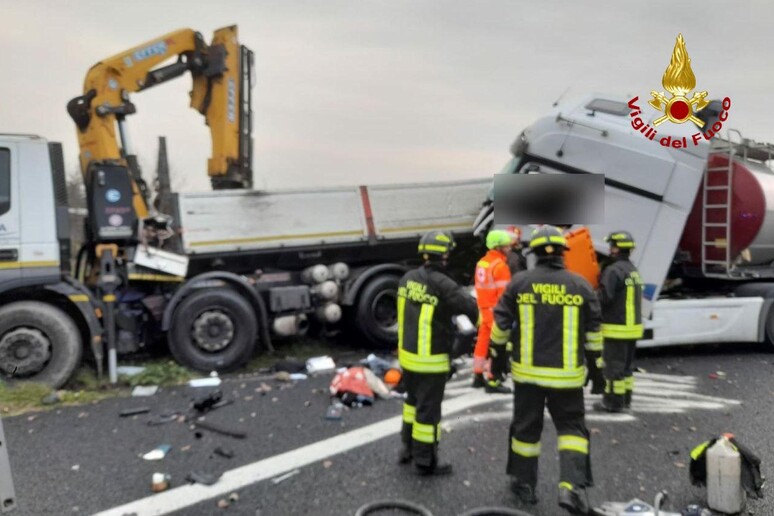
x=427, y=300
x=491, y=278
x=552, y=316
x=516, y=261
x=620, y=291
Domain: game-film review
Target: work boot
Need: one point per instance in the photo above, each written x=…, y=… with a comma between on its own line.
x=496, y=387
x=436, y=469
x=478, y=381
x=600, y=406
x=628, y=400
x=405, y=455
x=524, y=492
x=575, y=501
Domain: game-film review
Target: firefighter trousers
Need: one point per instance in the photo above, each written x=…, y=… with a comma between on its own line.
x=618, y=356
x=568, y=415
x=481, y=351
x=421, y=429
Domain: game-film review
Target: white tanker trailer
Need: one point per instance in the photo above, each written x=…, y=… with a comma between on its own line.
x=702, y=213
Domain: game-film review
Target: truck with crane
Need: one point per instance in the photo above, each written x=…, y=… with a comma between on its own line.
x=702, y=215
x=217, y=275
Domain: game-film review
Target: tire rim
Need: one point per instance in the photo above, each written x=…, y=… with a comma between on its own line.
x=213, y=330
x=24, y=351
x=385, y=311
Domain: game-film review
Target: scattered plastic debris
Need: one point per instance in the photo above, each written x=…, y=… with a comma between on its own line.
x=208, y=401
x=298, y=376
x=334, y=411
x=228, y=454
x=51, y=399
x=200, y=477
x=145, y=390
x=129, y=370
x=233, y=497
x=282, y=478
x=263, y=389
x=162, y=419
x=134, y=411
x=158, y=453
x=205, y=425
x=321, y=364
x=223, y=503
x=212, y=381
x=160, y=482
x=76, y=467
x=282, y=376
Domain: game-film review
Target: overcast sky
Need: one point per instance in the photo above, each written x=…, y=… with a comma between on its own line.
x=358, y=91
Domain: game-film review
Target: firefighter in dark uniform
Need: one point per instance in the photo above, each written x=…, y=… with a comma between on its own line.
x=427, y=300
x=552, y=316
x=620, y=291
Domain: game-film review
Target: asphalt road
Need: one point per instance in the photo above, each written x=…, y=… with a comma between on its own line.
x=84, y=460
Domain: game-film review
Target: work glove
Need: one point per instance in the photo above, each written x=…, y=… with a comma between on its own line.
x=499, y=360
x=594, y=365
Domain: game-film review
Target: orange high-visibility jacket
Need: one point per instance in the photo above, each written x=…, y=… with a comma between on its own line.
x=492, y=276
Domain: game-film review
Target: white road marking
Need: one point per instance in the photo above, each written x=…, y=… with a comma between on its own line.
x=185, y=496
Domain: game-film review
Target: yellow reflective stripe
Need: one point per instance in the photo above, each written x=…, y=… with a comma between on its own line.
x=109, y=298
x=594, y=341
x=498, y=335
x=423, y=364
x=619, y=386
x=548, y=377
x=78, y=298
x=423, y=433
x=482, y=263
x=622, y=331
x=570, y=336
x=629, y=383
x=438, y=433
x=431, y=247
x=696, y=452
x=401, y=317
x=565, y=485
x=543, y=240
x=527, y=327
x=525, y=449
x=630, y=305
x=573, y=443
x=28, y=265
x=409, y=413
x=425, y=330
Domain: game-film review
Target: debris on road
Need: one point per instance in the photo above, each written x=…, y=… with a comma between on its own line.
x=200, y=477
x=282, y=376
x=145, y=390
x=129, y=370
x=158, y=453
x=212, y=381
x=327, y=464
x=263, y=389
x=323, y=364
x=134, y=411
x=233, y=497
x=297, y=376
x=76, y=467
x=223, y=503
x=51, y=399
x=378, y=365
x=211, y=401
x=160, y=482
x=282, y=478
x=162, y=419
x=205, y=425
x=228, y=454
x=334, y=411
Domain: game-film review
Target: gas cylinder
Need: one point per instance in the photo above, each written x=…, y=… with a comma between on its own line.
x=724, y=478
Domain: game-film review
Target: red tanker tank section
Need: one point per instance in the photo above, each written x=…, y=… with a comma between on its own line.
x=748, y=207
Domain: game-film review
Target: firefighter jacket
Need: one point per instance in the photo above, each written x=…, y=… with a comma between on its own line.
x=620, y=291
x=427, y=300
x=492, y=276
x=551, y=315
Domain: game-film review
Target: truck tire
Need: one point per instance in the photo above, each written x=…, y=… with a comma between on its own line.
x=213, y=330
x=376, y=312
x=38, y=343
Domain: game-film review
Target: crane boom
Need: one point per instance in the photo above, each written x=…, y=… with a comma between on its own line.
x=221, y=73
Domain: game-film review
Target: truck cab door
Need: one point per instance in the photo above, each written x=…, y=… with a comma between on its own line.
x=10, y=268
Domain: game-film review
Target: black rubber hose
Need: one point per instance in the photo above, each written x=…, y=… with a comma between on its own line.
x=413, y=508
x=495, y=511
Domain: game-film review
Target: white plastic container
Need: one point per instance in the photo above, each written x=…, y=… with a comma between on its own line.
x=724, y=478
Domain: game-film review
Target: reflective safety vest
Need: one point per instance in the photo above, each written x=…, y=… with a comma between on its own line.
x=550, y=315
x=427, y=300
x=492, y=276
x=621, y=296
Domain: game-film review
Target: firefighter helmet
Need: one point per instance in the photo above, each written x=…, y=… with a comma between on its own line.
x=436, y=243
x=498, y=238
x=620, y=239
x=545, y=236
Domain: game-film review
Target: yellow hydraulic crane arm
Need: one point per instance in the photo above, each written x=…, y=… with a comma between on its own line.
x=221, y=73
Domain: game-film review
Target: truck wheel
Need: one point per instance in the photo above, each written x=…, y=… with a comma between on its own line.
x=38, y=343
x=376, y=315
x=213, y=330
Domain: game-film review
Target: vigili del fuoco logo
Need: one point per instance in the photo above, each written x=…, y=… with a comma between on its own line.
x=678, y=108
